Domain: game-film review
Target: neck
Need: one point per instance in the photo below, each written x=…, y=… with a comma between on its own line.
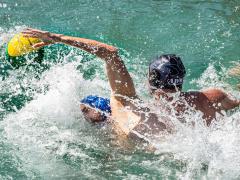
x=167, y=94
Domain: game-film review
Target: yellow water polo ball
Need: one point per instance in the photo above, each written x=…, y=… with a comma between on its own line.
x=20, y=45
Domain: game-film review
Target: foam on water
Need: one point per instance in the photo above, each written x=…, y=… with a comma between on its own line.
x=51, y=121
x=43, y=129
x=50, y=138
x=213, y=149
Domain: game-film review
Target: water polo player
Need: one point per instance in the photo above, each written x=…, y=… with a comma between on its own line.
x=166, y=76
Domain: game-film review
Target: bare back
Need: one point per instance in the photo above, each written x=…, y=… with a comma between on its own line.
x=137, y=122
x=210, y=102
x=128, y=117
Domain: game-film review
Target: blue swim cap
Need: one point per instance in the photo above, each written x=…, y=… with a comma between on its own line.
x=103, y=104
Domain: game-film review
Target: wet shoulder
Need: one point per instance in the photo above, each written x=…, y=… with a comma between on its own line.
x=123, y=114
x=214, y=94
x=194, y=97
x=211, y=95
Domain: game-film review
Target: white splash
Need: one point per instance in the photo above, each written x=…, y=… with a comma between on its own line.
x=43, y=129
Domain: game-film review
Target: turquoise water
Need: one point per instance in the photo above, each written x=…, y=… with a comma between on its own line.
x=42, y=132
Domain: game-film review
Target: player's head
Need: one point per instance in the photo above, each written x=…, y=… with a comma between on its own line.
x=95, y=108
x=166, y=73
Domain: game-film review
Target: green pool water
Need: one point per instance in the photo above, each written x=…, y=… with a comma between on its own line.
x=42, y=132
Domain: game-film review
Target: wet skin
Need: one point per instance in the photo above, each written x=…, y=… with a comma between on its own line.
x=91, y=114
x=126, y=115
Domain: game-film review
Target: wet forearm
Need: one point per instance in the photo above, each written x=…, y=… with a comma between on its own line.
x=102, y=50
x=119, y=78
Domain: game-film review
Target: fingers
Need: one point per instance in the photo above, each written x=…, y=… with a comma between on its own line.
x=30, y=35
x=31, y=29
x=26, y=32
x=35, y=33
x=38, y=45
x=35, y=30
x=29, y=32
x=41, y=44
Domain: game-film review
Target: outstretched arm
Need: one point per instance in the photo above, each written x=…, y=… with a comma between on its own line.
x=120, y=80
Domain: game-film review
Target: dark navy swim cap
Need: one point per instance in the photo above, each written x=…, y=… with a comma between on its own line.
x=100, y=103
x=166, y=72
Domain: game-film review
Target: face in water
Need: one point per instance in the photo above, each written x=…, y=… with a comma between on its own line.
x=95, y=108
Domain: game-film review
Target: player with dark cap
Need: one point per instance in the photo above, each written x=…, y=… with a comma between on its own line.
x=166, y=74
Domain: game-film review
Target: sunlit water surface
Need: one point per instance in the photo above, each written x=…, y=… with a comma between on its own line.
x=42, y=132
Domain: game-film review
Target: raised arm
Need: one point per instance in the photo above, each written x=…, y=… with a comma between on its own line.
x=120, y=80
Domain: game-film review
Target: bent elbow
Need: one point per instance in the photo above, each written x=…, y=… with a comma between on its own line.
x=113, y=49
x=230, y=103
x=107, y=52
